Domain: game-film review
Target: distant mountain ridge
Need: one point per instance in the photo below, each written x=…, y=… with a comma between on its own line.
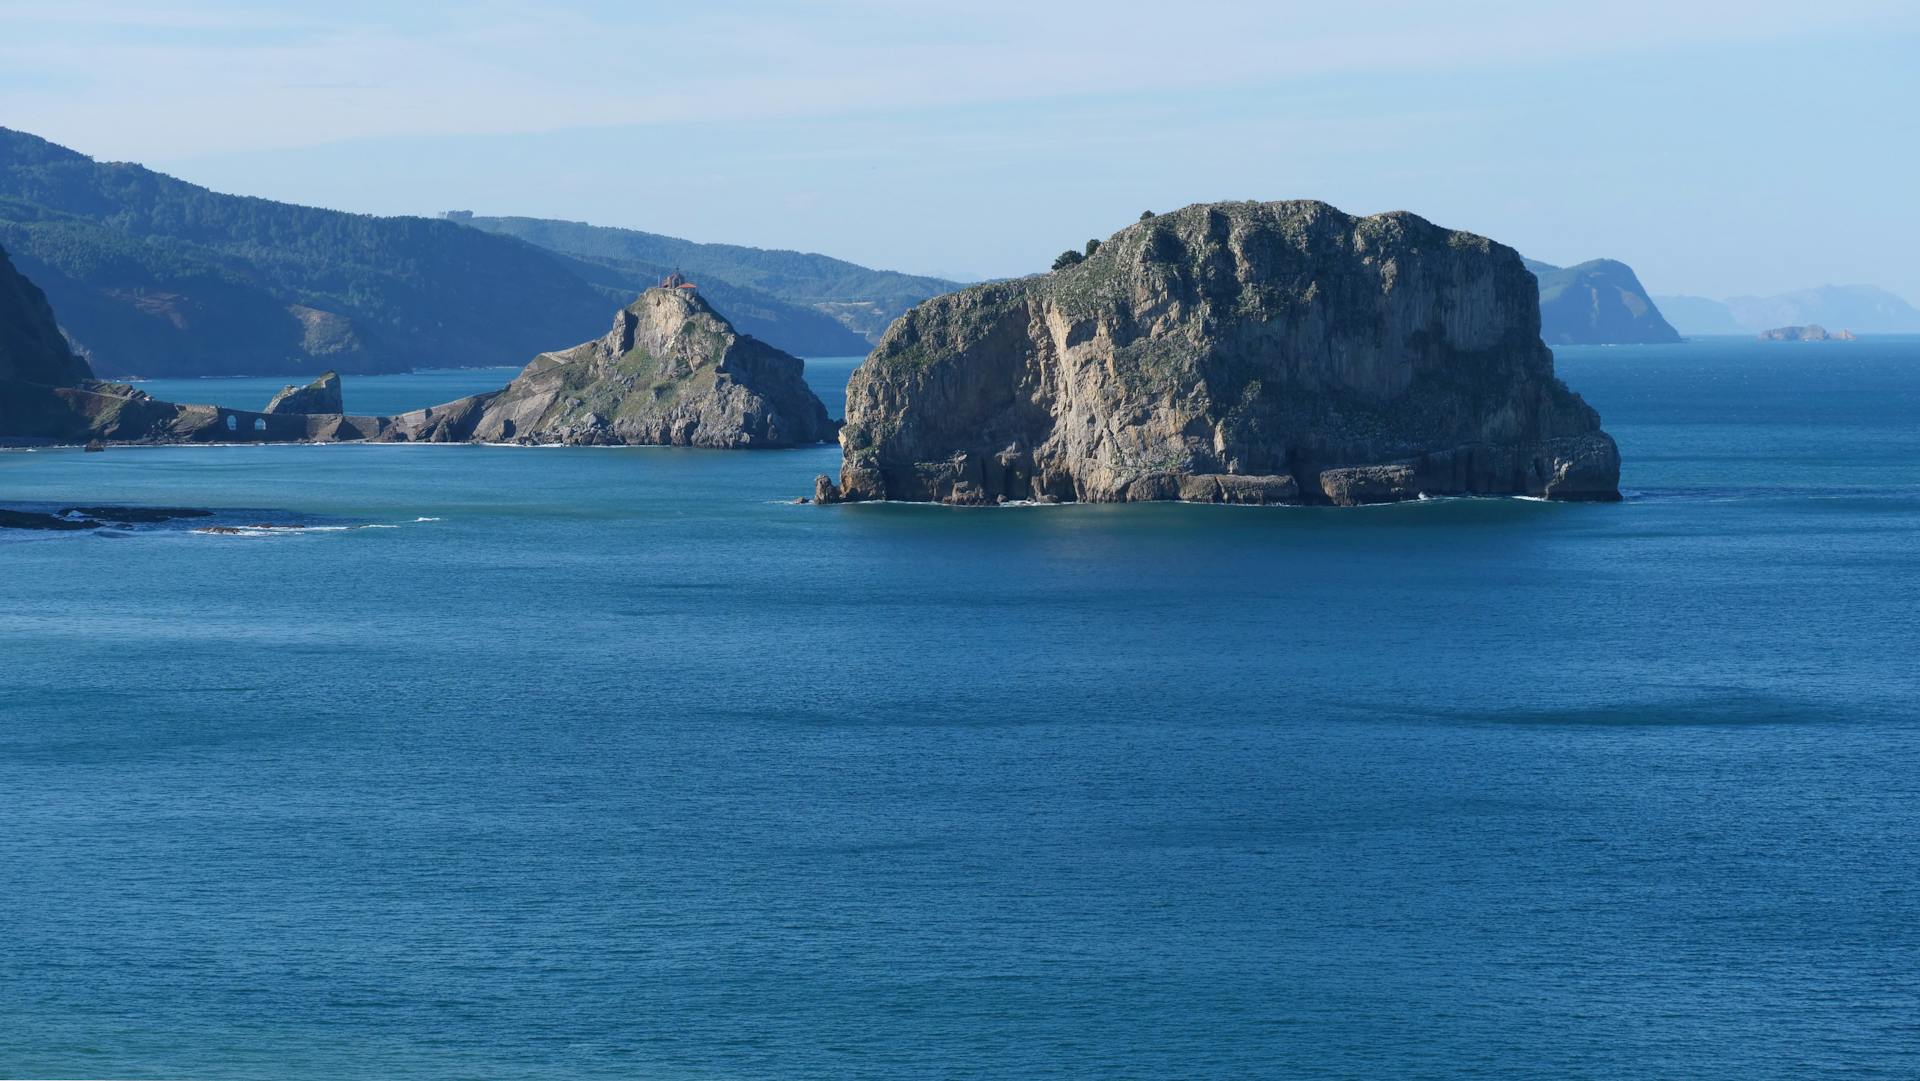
x=154, y=276
x=1598, y=302
x=151, y=275
x=1863, y=309
x=861, y=298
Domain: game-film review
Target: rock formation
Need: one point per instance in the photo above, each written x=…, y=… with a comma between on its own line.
x=320, y=396
x=1234, y=353
x=672, y=371
x=1812, y=332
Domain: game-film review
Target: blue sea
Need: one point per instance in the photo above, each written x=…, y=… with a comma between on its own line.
x=612, y=763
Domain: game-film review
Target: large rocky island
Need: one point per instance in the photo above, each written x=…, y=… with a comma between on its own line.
x=1231, y=352
x=671, y=371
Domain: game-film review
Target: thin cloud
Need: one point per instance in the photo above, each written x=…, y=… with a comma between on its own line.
x=492, y=69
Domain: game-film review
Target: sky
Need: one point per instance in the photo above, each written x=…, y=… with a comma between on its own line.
x=1721, y=148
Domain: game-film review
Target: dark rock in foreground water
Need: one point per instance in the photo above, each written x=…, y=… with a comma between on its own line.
x=27, y=519
x=1231, y=353
x=77, y=518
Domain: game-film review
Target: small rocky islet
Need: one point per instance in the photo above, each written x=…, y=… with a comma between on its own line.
x=671, y=372
x=1811, y=332
x=1230, y=353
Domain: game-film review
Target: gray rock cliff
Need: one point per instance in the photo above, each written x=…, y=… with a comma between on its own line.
x=672, y=371
x=320, y=396
x=1234, y=353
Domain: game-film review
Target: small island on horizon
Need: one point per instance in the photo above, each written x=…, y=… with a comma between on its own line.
x=1812, y=332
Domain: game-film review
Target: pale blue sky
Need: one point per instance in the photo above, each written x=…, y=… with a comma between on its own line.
x=1719, y=147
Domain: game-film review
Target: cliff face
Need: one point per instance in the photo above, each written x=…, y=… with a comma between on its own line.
x=32, y=349
x=34, y=361
x=672, y=371
x=1233, y=352
x=1599, y=302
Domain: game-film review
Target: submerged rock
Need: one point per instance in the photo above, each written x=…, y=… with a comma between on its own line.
x=82, y=518
x=320, y=396
x=132, y=515
x=28, y=519
x=1231, y=353
x=672, y=371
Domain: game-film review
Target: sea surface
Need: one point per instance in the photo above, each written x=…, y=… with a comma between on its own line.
x=611, y=763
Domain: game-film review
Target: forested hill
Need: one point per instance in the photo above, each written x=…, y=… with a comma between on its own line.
x=154, y=276
x=863, y=299
x=150, y=275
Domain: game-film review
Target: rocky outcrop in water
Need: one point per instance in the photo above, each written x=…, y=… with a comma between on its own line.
x=672, y=371
x=1812, y=332
x=1231, y=353
x=320, y=396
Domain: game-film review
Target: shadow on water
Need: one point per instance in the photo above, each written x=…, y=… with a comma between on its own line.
x=1703, y=707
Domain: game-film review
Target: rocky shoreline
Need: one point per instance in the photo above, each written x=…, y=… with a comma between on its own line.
x=671, y=372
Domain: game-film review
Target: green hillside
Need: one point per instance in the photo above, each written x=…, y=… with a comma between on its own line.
x=154, y=276
x=863, y=299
